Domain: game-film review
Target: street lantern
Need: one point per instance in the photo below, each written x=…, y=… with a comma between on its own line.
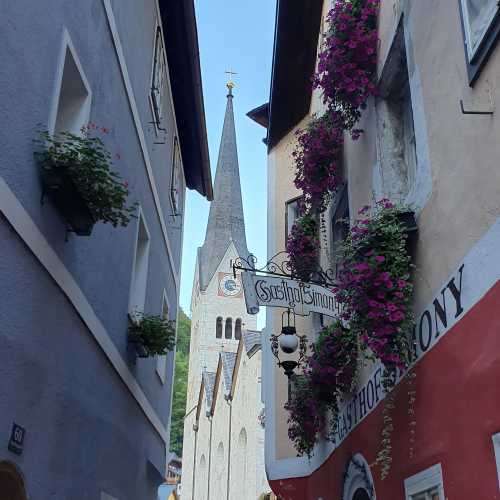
x=288, y=342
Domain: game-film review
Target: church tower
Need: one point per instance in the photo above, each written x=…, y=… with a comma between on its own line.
x=218, y=304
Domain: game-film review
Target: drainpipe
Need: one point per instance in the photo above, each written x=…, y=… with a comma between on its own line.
x=229, y=400
x=209, y=458
x=195, y=429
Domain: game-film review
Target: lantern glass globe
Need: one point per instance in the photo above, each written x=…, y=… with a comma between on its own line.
x=289, y=343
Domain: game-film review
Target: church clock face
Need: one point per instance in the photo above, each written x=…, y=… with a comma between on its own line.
x=229, y=286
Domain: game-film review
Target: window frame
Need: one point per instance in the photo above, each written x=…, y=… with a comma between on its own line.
x=68, y=50
x=161, y=361
x=157, y=96
x=287, y=204
x=496, y=448
x=133, y=308
x=229, y=321
x=238, y=324
x=424, y=481
x=218, y=322
x=177, y=175
x=477, y=59
x=341, y=205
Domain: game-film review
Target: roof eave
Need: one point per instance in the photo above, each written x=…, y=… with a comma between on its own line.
x=181, y=43
x=298, y=24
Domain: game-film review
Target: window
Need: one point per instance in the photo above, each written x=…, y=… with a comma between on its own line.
x=105, y=496
x=237, y=329
x=161, y=361
x=480, y=28
x=361, y=494
x=242, y=456
x=396, y=144
x=292, y=213
x=159, y=78
x=496, y=448
x=431, y=494
x=218, y=328
x=426, y=485
x=71, y=108
x=340, y=221
x=229, y=328
x=140, y=270
x=176, y=181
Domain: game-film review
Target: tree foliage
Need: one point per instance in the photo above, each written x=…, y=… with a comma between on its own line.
x=180, y=382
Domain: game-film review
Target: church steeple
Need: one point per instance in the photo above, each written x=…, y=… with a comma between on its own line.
x=225, y=222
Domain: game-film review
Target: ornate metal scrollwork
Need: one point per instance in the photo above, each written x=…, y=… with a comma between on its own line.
x=279, y=265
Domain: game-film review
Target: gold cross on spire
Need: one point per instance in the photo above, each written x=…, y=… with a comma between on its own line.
x=230, y=84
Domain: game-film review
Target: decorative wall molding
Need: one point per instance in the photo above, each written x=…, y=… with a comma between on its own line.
x=358, y=475
x=27, y=230
x=140, y=134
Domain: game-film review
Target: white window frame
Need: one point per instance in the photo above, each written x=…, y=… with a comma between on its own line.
x=472, y=52
x=496, y=448
x=105, y=496
x=159, y=74
x=425, y=480
x=176, y=178
x=161, y=361
x=142, y=279
x=292, y=202
x=67, y=46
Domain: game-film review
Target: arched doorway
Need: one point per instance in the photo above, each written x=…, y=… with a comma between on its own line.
x=361, y=494
x=11, y=483
x=358, y=480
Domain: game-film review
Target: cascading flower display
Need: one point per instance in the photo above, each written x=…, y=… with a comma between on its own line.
x=318, y=159
x=306, y=416
x=329, y=372
x=347, y=64
x=333, y=364
x=303, y=247
x=374, y=285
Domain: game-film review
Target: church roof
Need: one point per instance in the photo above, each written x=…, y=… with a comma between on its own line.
x=228, y=362
x=225, y=222
x=209, y=383
x=252, y=341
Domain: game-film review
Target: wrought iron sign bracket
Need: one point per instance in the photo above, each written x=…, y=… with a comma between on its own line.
x=282, y=268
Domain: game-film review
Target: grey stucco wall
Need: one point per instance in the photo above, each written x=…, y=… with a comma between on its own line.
x=86, y=431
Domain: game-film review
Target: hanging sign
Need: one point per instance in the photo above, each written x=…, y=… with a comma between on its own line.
x=277, y=291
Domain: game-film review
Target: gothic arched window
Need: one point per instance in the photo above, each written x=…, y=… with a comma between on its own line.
x=218, y=328
x=237, y=329
x=229, y=328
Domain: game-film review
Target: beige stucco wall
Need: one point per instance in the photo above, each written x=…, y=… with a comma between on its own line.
x=457, y=155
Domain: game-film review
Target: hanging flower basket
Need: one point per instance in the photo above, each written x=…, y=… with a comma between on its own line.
x=151, y=335
x=57, y=182
x=347, y=64
x=318, y=159
x=76, y=172
x=374, y=284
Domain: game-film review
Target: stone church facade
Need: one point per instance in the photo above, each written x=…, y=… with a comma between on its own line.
x=223, y=452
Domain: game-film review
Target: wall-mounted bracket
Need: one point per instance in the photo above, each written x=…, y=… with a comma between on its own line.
x=469, y=112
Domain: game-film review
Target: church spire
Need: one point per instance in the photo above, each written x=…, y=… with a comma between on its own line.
x=225, y=221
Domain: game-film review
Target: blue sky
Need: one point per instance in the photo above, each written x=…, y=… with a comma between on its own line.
x=237, y=35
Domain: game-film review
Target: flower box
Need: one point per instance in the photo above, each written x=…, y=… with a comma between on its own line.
x=150, y=335
x=76, y=171
x=139, y=348
x=68, y=200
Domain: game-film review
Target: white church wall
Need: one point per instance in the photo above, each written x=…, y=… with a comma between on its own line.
x=220, y=446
